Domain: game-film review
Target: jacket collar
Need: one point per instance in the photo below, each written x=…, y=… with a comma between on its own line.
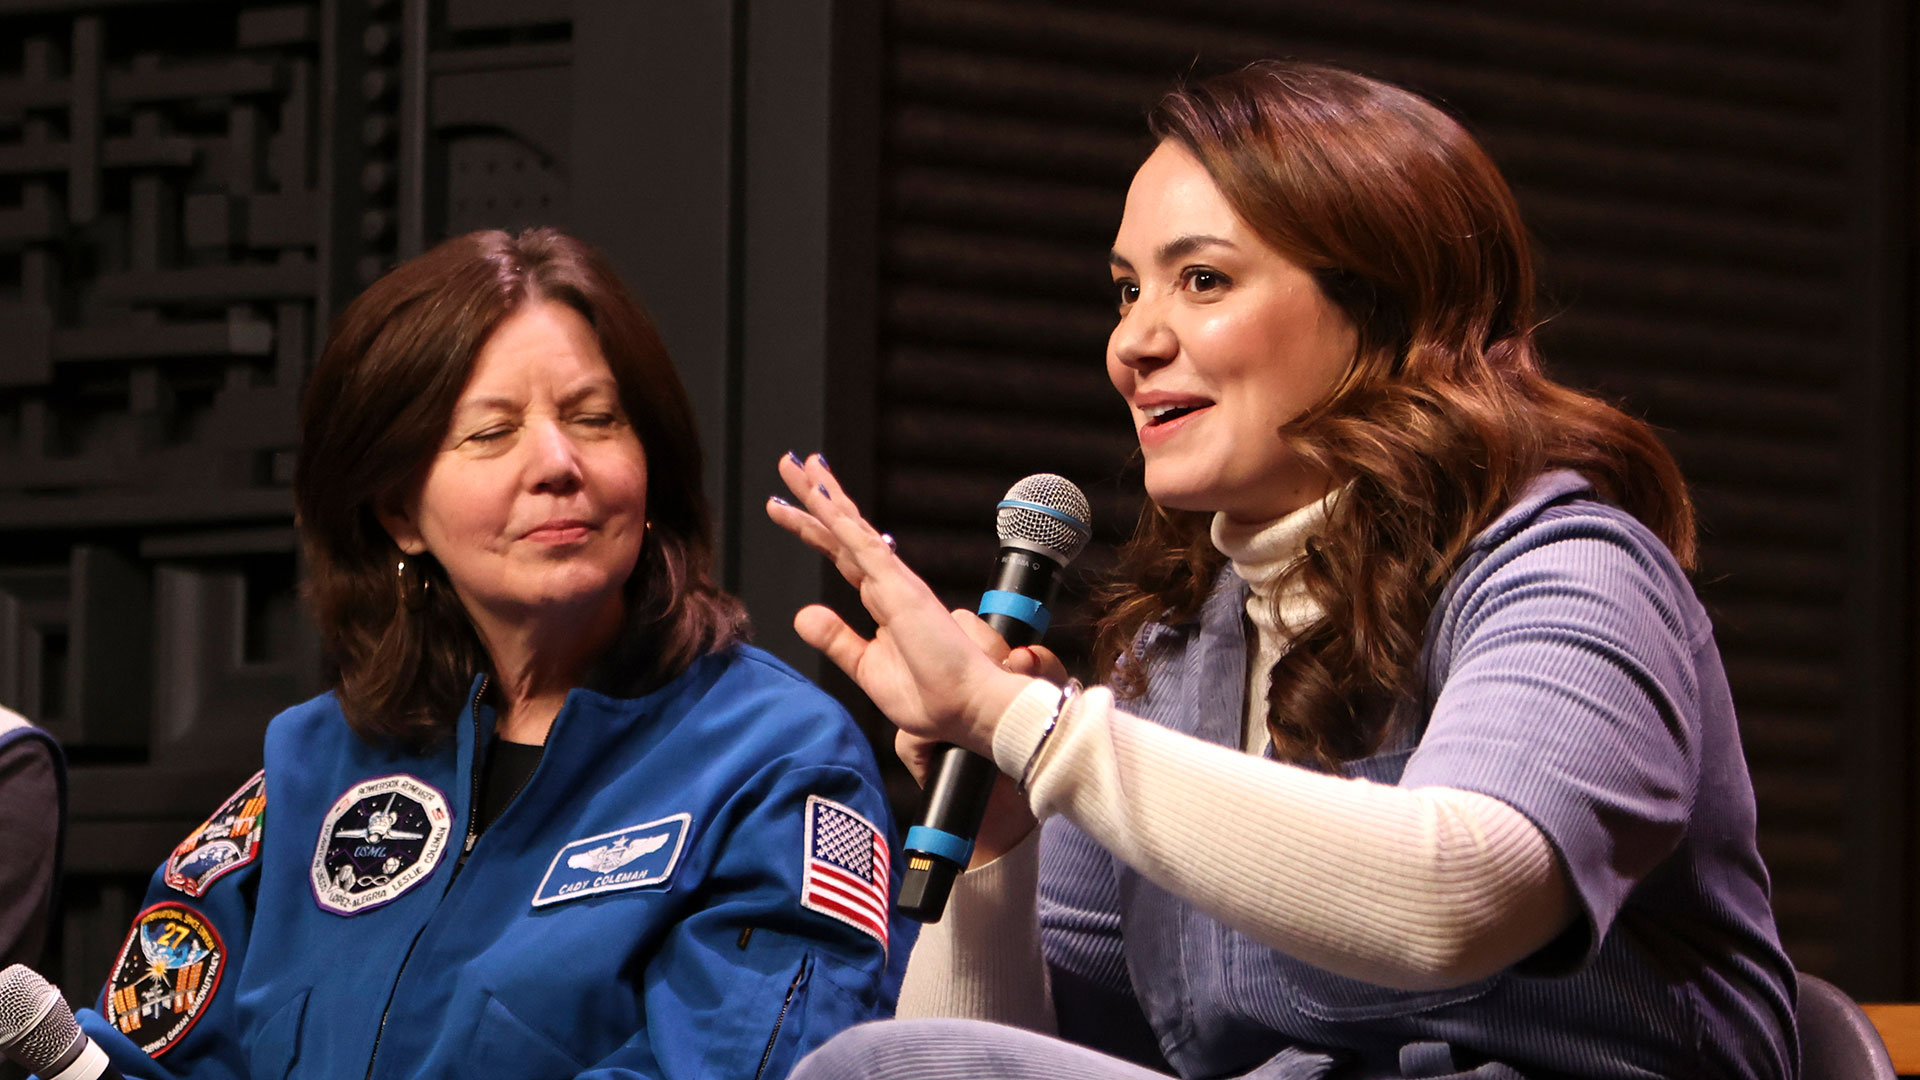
x=1541, y=492
x=1228, y=598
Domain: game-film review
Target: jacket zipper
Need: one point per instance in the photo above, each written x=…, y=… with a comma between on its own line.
x=792, y=988
x=473, y=805
x=473, y=788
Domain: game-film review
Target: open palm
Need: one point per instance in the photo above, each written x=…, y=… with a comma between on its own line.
x=935, y=673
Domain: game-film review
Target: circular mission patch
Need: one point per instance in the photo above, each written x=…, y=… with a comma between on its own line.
x=164, y=977
x=379, y=839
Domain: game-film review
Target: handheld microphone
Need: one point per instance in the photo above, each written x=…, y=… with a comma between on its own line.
x=1043, y=523
x=38, y=1032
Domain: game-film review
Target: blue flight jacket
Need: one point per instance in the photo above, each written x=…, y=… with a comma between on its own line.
x=658, y=901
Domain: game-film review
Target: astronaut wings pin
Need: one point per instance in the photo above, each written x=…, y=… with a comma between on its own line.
x=607, y=858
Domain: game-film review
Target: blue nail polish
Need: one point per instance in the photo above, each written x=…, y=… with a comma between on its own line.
x=824, y=491
x=823, y=461
x=779, y=500
x=793, y=457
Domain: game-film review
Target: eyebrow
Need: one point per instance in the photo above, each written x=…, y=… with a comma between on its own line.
x=485, y=404
x=588, y=389
x=1175, y=248
x=496, y=403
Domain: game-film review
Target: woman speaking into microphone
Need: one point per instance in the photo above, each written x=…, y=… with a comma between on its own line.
x=1414, y=755
x=554, y=818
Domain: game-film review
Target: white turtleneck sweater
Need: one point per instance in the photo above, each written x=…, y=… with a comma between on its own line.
x=1410, y=888
x=1260, y=554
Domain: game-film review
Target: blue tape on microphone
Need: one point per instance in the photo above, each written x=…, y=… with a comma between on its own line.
x=954, y=849
x=1014, y=606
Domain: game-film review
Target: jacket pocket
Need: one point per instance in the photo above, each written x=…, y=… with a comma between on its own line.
x=1267, y=984
x=1325, y=996
x=276, y=1047
x=787, y=1032
x=504, y=1041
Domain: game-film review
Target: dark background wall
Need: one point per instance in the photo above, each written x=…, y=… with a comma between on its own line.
x=878, y=229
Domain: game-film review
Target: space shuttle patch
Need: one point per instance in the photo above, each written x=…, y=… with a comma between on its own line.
x=630, y=858
x=380, y=838
x=225, y=842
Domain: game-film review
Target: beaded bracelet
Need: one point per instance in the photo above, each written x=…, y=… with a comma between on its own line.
x=1067, y=693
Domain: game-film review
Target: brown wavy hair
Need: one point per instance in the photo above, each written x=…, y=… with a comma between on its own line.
x=1440, y=422
x=373, y=417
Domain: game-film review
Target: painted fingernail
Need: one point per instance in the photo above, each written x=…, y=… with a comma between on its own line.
x=793, y=457
x=823, y=461
x=824, y=491
x=777, y=499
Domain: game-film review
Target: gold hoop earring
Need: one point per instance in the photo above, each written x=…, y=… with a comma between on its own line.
x=414, y=587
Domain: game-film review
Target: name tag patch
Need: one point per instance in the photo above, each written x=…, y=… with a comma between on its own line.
x=629, y=858
x=379, y=839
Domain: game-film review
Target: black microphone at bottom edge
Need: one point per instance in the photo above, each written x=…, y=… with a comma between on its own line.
x=1043, y=524
x=38, y=1031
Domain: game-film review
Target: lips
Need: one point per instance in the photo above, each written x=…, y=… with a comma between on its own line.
x=559, y=531
x=1163, y=424
x=1157, y=417
x=1164, y=413
x=1161, y=407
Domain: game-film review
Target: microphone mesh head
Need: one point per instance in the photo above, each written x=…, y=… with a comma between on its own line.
x=1061, y=529
x=23, y=997
x=36, y=1027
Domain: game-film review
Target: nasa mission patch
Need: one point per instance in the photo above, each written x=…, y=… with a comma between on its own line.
x=629, y=858
x=165, y=975
x=227, y=841
x=379, y=839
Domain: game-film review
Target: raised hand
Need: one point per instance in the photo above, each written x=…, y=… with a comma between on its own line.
x=936, y=674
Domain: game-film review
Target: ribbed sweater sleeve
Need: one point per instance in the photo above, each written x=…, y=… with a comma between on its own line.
x=982, y=960
x=1409, y=888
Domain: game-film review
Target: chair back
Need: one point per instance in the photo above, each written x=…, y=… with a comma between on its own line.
x=1837, y=1041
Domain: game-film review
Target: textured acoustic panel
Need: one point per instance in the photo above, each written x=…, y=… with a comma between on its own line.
x=189, y=191
x=1697, y=176
x=164, y=257
x=235, y=650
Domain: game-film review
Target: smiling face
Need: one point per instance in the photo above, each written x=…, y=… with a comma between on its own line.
x=536, y=502
x=1221, y=340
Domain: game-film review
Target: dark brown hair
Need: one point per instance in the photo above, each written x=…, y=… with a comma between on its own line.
x=375, y=413
x=1443, y=418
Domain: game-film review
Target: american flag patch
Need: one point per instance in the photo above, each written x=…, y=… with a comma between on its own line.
x=847, y=867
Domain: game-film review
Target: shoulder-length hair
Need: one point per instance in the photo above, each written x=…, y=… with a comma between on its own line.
x=374, y=415
x=1442, y=419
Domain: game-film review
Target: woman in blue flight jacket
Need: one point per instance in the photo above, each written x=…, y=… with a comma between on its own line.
x=555, y=818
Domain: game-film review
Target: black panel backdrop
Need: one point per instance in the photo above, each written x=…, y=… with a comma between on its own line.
x=879, y=226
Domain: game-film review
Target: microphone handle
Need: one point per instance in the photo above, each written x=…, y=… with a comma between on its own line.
x=955, y=799
x=957, y=794
x=1015, y=632
x=84, y=1060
